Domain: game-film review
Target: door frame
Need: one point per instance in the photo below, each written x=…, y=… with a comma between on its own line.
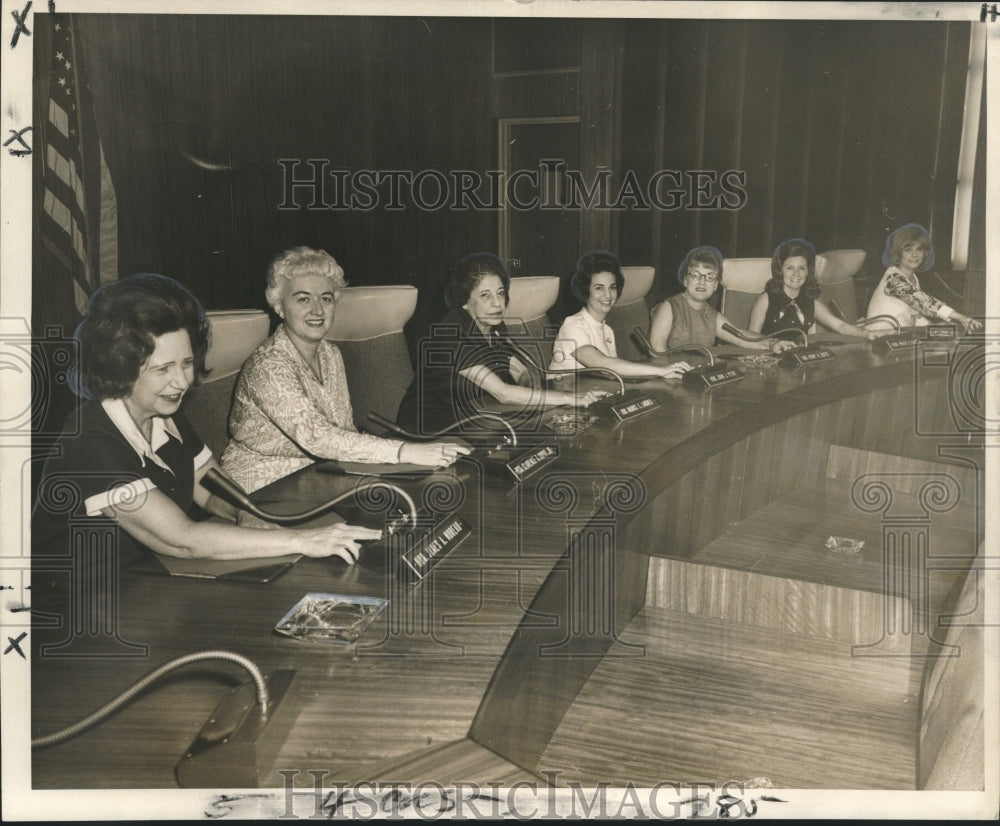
x=503, y=159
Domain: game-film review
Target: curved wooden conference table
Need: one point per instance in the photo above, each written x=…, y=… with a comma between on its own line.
x=492, y=648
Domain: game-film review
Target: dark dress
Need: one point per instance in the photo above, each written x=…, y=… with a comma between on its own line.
x=781, y=312
x=438, y=396
x=91, y=465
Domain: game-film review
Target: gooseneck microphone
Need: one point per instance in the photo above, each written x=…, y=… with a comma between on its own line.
x=522, y=353
x=233, y=493
x=883, y=317
x=684, y=348
x=379, y=419
x=729, y=328
x=833, y=303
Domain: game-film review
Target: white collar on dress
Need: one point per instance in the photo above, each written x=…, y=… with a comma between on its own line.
x=600, y=328
x=162, y=428
x=590, y=321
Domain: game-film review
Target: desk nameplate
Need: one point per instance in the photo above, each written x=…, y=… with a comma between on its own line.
x=802, y=356
x=705, y=378
x=941, y=332
x=623, y=411
x=898, y=342
x=428, y=551
x=519, y=465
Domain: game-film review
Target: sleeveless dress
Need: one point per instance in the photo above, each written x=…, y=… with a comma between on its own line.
x=690, y=326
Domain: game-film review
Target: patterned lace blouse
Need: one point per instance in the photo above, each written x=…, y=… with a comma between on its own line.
x=283, y=418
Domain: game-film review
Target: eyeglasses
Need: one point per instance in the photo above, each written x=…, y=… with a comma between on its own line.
x=708, y=278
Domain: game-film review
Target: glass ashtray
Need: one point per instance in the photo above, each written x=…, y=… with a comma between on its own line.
x=758, y=360
x=330, y=617
x=844, y=545
x=569, y=423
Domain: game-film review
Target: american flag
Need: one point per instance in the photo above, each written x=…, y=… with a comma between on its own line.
x=79, y=216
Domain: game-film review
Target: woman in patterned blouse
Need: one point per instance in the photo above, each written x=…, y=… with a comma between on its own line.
x=291, y=405
x=908, y=251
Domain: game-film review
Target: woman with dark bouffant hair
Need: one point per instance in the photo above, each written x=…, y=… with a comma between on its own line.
x=791, y=298
x=585, y=339
x=468, y=358
x=130, y=455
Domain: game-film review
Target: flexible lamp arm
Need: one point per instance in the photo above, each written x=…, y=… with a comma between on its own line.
x=534, y=364
x=729, y=328
x=235, y=494
x=684, y=348
x=883, y=317
x=379, y=419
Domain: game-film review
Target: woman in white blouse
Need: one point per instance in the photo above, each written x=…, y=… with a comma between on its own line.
x=585, y=339
x=291, y=405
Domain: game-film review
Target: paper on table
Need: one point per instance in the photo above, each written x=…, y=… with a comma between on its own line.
x=249, y=570
x=373, y=469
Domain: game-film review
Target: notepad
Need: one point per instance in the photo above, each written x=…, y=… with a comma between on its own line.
x=234, y=570
x=373, y=469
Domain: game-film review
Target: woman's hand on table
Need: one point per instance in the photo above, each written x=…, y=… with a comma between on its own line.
x=432, y=454
x=779, y=345
x=968, y=324
x=675, y=370
x=588, y=398
x=339, y=540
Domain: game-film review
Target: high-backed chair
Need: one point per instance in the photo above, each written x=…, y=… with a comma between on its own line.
x=531, y=298
x=368, y=329
x=744, y=280
x=235, y=335
x=835, y=270
x=631, y=310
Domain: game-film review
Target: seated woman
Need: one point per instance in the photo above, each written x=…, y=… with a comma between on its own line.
x=291, y=405
x=584, y=339
x=468, y=358
x=131, y=456
x=908, y=251
x=790, y=298
x=688, y=318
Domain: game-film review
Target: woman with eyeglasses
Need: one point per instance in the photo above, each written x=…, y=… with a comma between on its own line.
x=791, y=298
x=688, y=318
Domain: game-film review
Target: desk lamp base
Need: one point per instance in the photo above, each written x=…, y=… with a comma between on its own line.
x=237, y=746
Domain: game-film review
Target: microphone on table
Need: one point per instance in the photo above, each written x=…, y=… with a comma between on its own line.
x=833, y=302
x=684, y=348
x=796, y=357
x=882, y=317
x=729, y=328
x=622, y=405
x=229, y=490
x=520, y=467
x=704, y=377
x=897, y=340
x=523, y=354
x=388, y=424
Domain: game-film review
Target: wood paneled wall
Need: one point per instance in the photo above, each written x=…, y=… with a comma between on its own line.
x=197, y=111
x=844, y=131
